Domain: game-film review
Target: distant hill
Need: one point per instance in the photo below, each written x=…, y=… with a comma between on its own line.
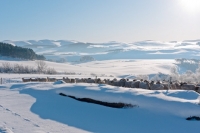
x=18, y=52
x=74, y=50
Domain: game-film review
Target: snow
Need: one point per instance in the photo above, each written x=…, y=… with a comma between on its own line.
x=118, y=68
x=59, y=82
x=38, y=107
x=149, y=49
x=5, y=130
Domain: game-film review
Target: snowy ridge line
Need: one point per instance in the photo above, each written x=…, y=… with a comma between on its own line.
x=62, y=50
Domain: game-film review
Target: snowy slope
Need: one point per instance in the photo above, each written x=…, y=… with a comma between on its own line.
x=37, y=108
x=118, y=68
x=72, y=50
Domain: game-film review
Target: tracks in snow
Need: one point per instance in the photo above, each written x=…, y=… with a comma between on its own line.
x=18, y=115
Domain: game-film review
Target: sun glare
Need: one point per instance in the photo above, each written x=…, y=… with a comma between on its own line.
x=191, y=5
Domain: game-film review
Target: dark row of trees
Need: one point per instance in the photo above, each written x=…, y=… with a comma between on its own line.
x=19, y=52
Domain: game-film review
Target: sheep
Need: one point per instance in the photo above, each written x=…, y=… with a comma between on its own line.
x=114, y=79
x=42, y=79
x=89, y=80
x=67, y=80
x=135, y=84
x=78, y=80
x=26, y=80
x=144, y=84
x=106, y=81
x=113, y=82
x=116, y=83
x=51, y=79
x=99, y=81
x=175, y=86
x=33, y=79
x=85, y=80
x=198, y=89
x=128, y=84
x=156, y=86
x=166, y=86
x=73, y=80
x=122, y=82
x=188, y=87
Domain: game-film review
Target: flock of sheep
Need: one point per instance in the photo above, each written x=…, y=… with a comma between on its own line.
x=144, y=84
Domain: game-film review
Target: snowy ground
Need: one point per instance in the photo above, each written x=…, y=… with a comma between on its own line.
x=37, y=108
x=117, y=68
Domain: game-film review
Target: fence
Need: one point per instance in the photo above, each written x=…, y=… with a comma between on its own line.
x=10, y=80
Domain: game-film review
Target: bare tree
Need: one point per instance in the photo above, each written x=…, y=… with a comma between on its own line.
x=16, y=68
x=41, y=65
x=6, y=67
x=51, y=71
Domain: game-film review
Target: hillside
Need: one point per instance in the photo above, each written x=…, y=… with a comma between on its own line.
x=74, y=50
x=18, y=52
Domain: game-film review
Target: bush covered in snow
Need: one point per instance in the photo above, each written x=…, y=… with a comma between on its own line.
x=191, y=74
x=188, y=64
x=86, y=58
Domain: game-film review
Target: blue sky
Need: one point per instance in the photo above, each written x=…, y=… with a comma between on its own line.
x=100, y=20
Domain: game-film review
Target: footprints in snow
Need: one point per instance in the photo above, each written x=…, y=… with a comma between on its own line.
x=18, y=115
x=8, y=110
x=5, y=130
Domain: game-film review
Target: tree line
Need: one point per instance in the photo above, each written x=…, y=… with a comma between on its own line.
x=19, y=52
x=40, y=67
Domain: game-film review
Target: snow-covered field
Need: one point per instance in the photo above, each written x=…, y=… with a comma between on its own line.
x=116, y=68
x=38, y=108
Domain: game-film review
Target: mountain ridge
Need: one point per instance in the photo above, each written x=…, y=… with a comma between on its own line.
x=148, y=49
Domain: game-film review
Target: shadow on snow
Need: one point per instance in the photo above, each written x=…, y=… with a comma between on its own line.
x=96, y=118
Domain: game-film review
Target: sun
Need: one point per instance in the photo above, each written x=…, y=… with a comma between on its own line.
x=191, y=5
